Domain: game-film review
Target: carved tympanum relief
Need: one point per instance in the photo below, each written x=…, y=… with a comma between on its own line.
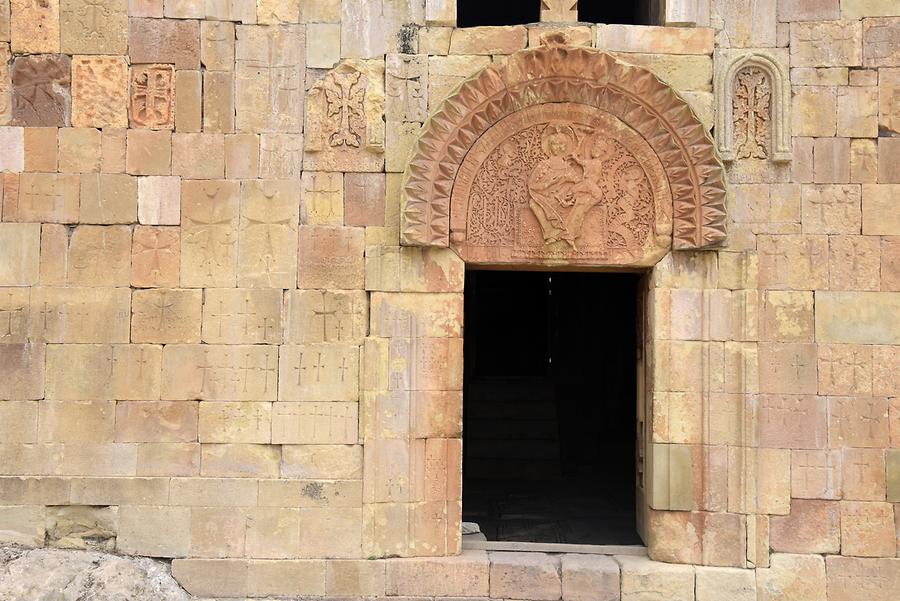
x=345, y=130
x=561, y=182
x=564, y=155
x=752, y=120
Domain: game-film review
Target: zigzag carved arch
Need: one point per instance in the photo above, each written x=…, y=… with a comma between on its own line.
x=558, y=73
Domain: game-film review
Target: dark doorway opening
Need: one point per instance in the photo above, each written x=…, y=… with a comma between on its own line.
x=550, y=406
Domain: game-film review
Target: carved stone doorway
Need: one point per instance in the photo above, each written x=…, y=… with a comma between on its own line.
x=550, y=407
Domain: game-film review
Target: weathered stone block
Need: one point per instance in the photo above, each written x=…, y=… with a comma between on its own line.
x=220, y=372
x=166, y=316
x=863, y=476
x=155, y=257
x=240, y=461
x=97, y=98
x=212, y=576
x=826, y=44
x=100, y=255
x=714, y=584
x=643, y=580
x=331, y=462
x=879, y=37
x=218, y=104
x=76, y=421
x=33, y=28
x=589, y=578
x=331, y=257
x=41, y=90
x=159, y=200
x=156, y=421
x=20, y=244
x=23, y=525
x=242, y=316
x=857, y=317
x=108, y=198
x=41, y=148
x=73, y=314
x=283, y=578
x=188, y=101
x=465, y=575
x=103, y=371
x=888, y=160
x=858, y=421
x=170, y=41
x=269, y=76
x=355, y=578
x=148, y=152
x=241, y=156
x=811, y=527
x=97, y=27
x=198, y=156
x=867, y=529
x=851, y=578
x=792, y=577
x=79, y=150
x=209, y=217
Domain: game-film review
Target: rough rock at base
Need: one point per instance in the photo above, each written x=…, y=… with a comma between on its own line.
x=55, y=575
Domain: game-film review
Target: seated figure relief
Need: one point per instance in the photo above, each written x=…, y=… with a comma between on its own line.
x=564, y=186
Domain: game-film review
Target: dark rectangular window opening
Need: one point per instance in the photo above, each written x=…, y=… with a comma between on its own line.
x=475, y=13
x=550, y=407
x=628, y=12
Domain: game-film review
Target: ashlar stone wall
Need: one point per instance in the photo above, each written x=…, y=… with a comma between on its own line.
x=213, y=347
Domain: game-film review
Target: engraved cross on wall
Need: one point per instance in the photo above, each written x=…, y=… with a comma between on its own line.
x=559, y=11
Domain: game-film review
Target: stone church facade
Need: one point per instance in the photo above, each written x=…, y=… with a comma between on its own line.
x=233, y=244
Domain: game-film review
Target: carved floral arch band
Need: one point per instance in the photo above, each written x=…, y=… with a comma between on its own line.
x=564, y=154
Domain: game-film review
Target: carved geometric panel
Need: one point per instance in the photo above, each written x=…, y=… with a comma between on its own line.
x=676, y=145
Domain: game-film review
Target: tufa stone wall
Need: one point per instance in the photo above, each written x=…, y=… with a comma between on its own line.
x=213, y=347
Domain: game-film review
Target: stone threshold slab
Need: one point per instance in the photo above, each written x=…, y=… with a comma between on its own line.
x=491, y=545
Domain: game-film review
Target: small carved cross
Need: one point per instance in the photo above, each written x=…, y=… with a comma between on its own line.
x=319, y=366
x=559, y=11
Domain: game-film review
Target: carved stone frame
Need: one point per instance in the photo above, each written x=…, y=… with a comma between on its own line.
x=780, y=117
x=557, y=73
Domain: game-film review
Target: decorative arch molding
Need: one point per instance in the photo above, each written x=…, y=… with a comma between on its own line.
x=753, y=95
x=588, y=98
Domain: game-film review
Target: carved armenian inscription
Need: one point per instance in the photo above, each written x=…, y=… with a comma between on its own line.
x=560, y=182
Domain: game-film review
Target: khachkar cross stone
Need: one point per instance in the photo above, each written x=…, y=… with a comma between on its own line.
x=344, y=96
x=752, y=98
x=559, y=11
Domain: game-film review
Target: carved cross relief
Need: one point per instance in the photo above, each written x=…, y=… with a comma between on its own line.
x=559, y=11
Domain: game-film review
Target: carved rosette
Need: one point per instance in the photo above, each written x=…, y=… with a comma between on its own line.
x=588, y=96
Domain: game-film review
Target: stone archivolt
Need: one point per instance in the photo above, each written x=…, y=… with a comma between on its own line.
x=564, y=154
x=752, y=112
